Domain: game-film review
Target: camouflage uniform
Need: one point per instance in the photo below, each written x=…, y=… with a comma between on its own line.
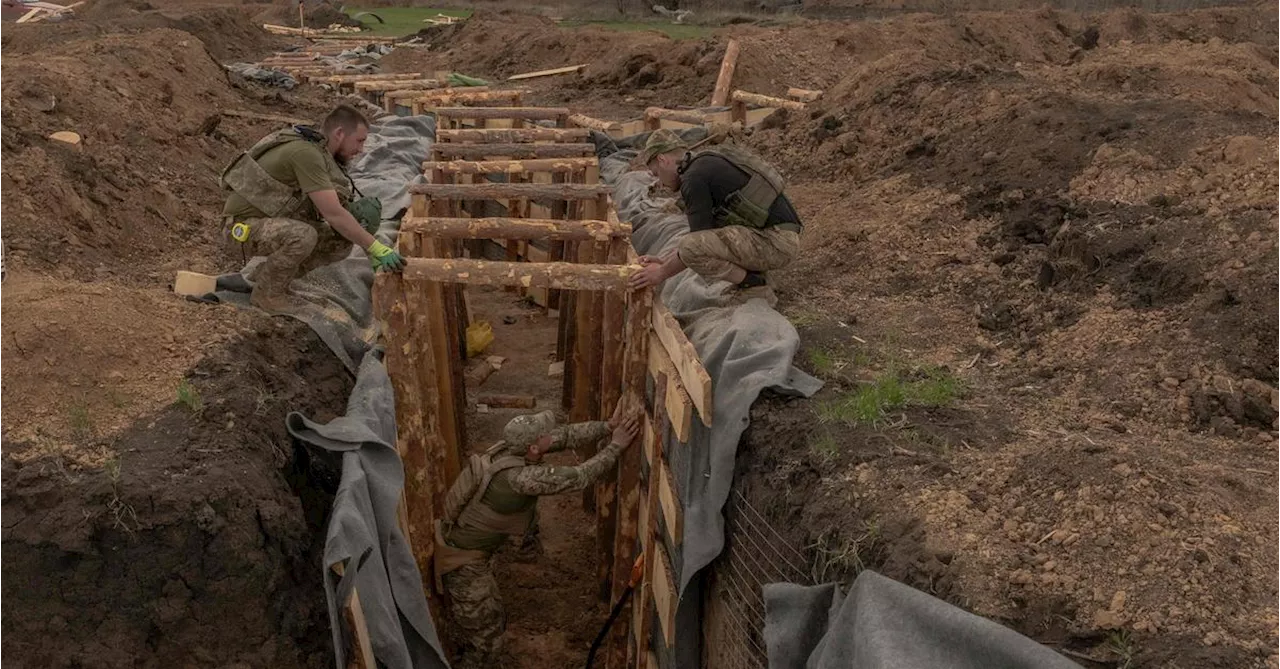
x=464, y=551
x=268, y=191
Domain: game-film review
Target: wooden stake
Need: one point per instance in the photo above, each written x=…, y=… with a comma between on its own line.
x=612, y=336
x=546, y=73
x=515, y=228
x=725, y=79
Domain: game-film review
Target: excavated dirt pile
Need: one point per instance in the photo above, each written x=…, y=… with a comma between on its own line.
x=1064, y=227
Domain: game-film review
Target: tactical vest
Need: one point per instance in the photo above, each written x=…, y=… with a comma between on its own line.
x=249, y=180
x=483, y=507
x=749, y=205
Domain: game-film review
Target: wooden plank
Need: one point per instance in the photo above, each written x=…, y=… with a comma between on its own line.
x=353, y=614
x=411, y=86
x=664, y=593
x=560, y=275
x=514, y=135
x=352, y=78
x=678, y=405
x=804, y=94
x=194, y=284
x=524, y=151
x=669, y=500
x=497, y=191
x=499, y=401
x=765, y=101
x=724, y=80
x=31, y=14
x=523, y=113
x=516, y=228
x=546, y=73
x=689, y=116
x=588, y=123
x=685, y=358
x=549, y=165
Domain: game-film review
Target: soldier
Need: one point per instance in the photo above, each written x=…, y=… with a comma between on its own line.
x=496, y=497
x=741, y=225
x=291, y=200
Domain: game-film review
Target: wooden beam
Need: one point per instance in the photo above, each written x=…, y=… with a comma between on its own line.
x=352, y=78
x=500, y=401
x=513, y=151
x=589, y=123
x=511, y=166
x=724, y=80
x=524, y=113
x=497, y=191
x=678, y=115
x=685, y=358
x=669, y=500
x=515, y=228
x=678, y=405
x=547, y=73
x=427, y=101
x=361, y=656
x=804, y=94
x=408, y=85
x=513, y=135
x=665, y=596
x=765, y=100
x=560, y=275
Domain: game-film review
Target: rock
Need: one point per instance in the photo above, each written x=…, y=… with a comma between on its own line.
x=847, y=143
x=1020, y=577
x=1118, y=600
x=1244, y=149
x=990, y=157
x=1122, y=469
x=1106, y=620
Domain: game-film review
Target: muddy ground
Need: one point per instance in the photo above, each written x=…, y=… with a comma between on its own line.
x=1062, y=225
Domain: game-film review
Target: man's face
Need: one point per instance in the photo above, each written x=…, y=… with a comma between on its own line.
x=664, y=166
x=538, y=449
x=347, y=145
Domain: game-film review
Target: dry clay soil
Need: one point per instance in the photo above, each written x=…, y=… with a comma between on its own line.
x=1078, y=224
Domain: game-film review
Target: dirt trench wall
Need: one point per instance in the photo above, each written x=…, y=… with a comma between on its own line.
x=198, y=544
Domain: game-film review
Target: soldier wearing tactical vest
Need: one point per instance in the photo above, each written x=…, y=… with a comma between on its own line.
x=741, y=225
x=495, y=497
x=291, y=200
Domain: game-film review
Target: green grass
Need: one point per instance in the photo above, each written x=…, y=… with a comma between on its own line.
x=893, y=390
x=189, y=397
x=81, y=422
x=401, y=21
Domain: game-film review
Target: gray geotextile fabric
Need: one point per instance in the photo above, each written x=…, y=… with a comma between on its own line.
x=883, y=624
x=342, y=313
x=745, y=348
x=364, y=533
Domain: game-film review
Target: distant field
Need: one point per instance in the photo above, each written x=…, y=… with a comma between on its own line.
x=408, y=20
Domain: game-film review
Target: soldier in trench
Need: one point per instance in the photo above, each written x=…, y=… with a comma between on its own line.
x=741, y=224
x=495, y=497
x=290, y=199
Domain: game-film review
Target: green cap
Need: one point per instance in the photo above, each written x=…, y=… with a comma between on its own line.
x=660, y=142
x=524, y=430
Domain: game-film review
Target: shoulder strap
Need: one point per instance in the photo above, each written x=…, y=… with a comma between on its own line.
x=488, y=468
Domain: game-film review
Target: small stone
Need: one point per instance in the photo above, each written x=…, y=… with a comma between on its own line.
x=1170, y=382
x=1020, y=577
x=1117, y=601
x=66, y=136
x=1058, y=496
x=1122, y=469
x=1050, y=565
x=1212, y=639
x=990, y=157
x=1106, y=620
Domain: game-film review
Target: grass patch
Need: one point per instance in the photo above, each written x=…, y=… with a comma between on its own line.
x=893, y=390
x=400, y=21
x=824, y=446
x=189, y=397
x=80, y=421
x=1121, y=643
x=836, y=557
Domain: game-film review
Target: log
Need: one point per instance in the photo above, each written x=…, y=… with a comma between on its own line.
x=498, y=401
x=515, y=228
x=497, y=191
x=653, y=116
x=415, y=86
x=584, y=121
x=514, y=151
x=511, y=166
x=561, y=275
x=724, y=81
x=765, y=100
x=685, y=358
x=525, y=113
x=611, y=490
x=385, y=76
x=547, y=73
x=514, y=135
x=447, y=96
x=804, y=94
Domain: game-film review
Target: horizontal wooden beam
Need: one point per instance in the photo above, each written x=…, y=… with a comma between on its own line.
x=515, y=151
x=765, y=100
x=804, y=94
x=546, y=73
x=492, y=191
x=515, y=228
x=557, y=275
x=685, y=358
x=398, y=84
x=525, y=113
x=514, y=135
x=549, y=165
x=677, y=115
x=352, y=78
x=457, y=94
x=589, y=123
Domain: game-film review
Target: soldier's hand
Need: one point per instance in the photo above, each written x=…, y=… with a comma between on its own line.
x=626, y=433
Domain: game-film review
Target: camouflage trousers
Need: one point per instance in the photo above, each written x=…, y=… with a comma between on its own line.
x=292, y=248
x=476, y=606
x=714, y=254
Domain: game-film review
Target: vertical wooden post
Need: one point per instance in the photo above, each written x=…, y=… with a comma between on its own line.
x=724, y=81
x=445, y=335
x=610, y=391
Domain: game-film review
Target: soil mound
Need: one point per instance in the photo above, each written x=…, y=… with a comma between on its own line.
x=321, y=15
x=191, y=546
